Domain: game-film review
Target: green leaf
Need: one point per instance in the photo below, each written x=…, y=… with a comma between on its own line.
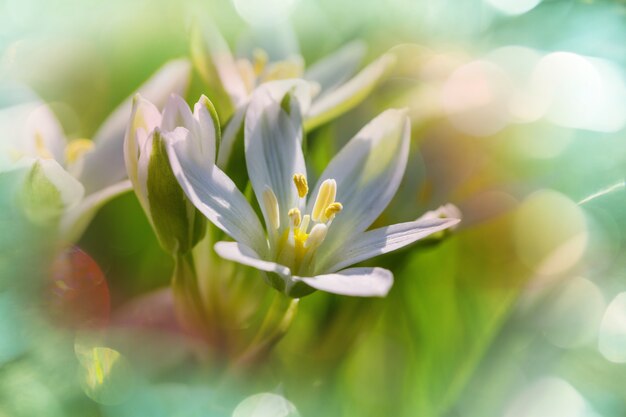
x=457, y=296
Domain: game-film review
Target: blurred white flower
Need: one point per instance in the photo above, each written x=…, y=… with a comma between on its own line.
x=91, y=171
x=335, y=86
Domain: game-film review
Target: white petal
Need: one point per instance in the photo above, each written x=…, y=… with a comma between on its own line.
x=141, y=186
x=69, y=188
x=215, y=47
x=76, y=220
x=104, y=165
x=144, y=118
x=385, y=239
x=31, y=130
x=348, y=95
x=275, y=91
x=335, y=68
x=368, y=171
x=215, y=194
x=238, y=252
x=447, y=211
x=269, y=92
x=43, y=123
x=208, y=127
x=273, y=152
x=176, y=113
x=231, y=133
x=357, y=282
x=202, y=124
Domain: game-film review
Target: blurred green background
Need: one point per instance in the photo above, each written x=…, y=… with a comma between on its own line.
x=519, y=114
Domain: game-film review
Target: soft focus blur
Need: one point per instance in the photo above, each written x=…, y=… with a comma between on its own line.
x=518, y=112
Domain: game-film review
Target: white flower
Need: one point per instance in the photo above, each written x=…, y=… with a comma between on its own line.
x=90, y=171
x=310, y=237
x=176, y=221
x=335, y=88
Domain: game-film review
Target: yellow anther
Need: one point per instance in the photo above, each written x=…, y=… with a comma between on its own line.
x=260, y=59
x=295, y=216
x=301, y=185
x=332, y=209
x=316, y=237
x=282, y=70
x=272, y=210
x=246, y=71
x=325, y=197
x=77, y=148
x=40, y=147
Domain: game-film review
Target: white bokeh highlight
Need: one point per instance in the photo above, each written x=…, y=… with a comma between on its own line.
x=612, y=336
x=572, y=315
x=550, y=234
x=549, y=397
x=513, y=7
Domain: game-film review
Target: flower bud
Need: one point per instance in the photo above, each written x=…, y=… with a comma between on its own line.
x=48, y=191
x=178, y=225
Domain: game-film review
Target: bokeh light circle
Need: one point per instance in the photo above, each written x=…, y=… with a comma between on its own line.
x=550, y=233
x=475, y=98
x=612, y=336
x=265, y=405
x=514, y=7
x=549, y=397
x=573, y=313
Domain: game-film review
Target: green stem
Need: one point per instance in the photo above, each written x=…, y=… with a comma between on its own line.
x=275, y=325
x=189, y=302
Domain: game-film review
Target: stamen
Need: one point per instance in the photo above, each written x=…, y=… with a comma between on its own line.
x=295, y=216
x=332, y=209
x=40, y=147
x=271, y=208
x=246, y=70
x=77, y=148
x=316, y=237
x=301, y=185
x=260, y=58
x=325, y=197
x=305, y=223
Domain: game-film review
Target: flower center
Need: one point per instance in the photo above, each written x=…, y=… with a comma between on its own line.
x=295, y=247
x=259, y=69
x=40, y=147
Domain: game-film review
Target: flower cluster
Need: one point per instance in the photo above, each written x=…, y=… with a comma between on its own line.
x=178, y=162
x=304, y=239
